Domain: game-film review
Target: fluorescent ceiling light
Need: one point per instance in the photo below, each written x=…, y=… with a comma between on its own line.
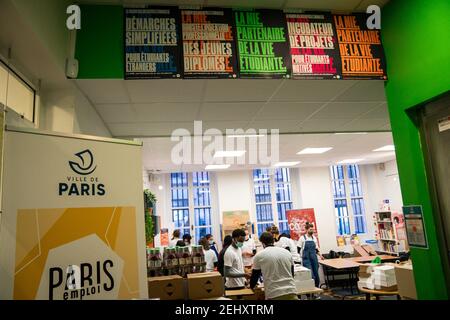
x=341, y=133
x=389, y=147
x=229, y=154
x=217, y=166
x=245, y=135
x=286, y=164
x=314, y=150
x=350, y=161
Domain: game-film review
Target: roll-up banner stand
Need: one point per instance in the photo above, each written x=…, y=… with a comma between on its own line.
x=72, y=226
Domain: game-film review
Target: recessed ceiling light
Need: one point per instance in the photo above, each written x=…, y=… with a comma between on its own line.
x=341, y=133
x=229, y=154
x=286, y=164
x=245, y=135
x=389, y=147
x=314, y=150
x=217, y=166
x=346, y=161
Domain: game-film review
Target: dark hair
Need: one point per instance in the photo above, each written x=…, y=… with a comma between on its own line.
x=204, y=243
x=284, y=235
x=238, y=233
x=308, y=225
x=176, y=234
x=266, y=238
x=180, y=243
x=187, y=237
x=208, y=236
x=227, y=240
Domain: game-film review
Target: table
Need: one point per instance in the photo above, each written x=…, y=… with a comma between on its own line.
x=370, y=258
x=306, y=291
x=378, y=293
x=339, y=263
x=342, y=266
x=239, y=294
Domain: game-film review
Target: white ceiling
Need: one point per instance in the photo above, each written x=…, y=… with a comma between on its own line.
x=336, y=5
x=154, y=108
x=157, y=151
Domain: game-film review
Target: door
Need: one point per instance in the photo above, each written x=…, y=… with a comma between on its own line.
x=436, y=131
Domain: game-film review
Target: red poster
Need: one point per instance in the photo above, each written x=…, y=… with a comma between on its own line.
x=297, y=220
x=164, y=237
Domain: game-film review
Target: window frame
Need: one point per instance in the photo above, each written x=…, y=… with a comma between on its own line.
x=349, y=199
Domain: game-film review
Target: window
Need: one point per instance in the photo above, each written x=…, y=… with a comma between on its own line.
x=191, y=203
x=266, y=185
x=16, y=94
x=345, y=178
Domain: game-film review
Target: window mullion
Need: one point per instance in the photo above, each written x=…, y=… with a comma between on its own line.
x=274, y=199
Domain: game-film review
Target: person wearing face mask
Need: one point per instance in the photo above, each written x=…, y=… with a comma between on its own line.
x=212, y=244
x=277, y=268
x=233, y=265
x=175, y=238
x=309, y=252
x=248, y=250
x=187, y=241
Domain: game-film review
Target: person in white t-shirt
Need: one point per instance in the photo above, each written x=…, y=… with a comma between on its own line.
x=175, y=238
x=210, y=255
x=277, y=268
x=233, y=265
x=248, y=250
x=286, y=243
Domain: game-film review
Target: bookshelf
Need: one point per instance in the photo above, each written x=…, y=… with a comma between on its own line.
x=386, y=234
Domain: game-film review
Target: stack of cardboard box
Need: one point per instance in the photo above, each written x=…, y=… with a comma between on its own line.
x=197, y=286
x=365, y=276
x=384, y=278
x=303, y=278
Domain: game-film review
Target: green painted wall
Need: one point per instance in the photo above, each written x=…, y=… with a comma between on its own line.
x=99, y=47
x=416, y=44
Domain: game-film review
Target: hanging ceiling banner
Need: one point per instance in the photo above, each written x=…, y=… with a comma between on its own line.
x=262, y=43
x=209, y=49
x=314, y=49
x=152, y=43
x=362, y=54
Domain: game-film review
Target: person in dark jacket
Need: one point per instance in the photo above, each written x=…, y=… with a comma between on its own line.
x=220, y=264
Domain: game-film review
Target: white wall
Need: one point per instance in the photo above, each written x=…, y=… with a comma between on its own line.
x=68, y=111
x=315, y=188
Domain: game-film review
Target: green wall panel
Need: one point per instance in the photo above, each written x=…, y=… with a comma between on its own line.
x=99, y=46
x=418, y=55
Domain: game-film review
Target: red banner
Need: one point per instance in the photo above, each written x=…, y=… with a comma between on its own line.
x=297, y=220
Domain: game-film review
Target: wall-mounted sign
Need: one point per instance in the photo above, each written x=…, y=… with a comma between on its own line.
x=152, y=43
x=314, y=48
x=262, y=44
x=209, y=49
x=444, y=124
x=297, y=220
x=415, y=227
x=361, y=52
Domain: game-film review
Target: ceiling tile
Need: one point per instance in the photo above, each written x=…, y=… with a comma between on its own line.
x=288, y=110
x=166, y=112
x=165, y=90
x=230, y=90
x=104, y=91
x=148, y=129
x=322, y=125
x=281, y=125
x=365, y=125
x=377, y=113
x=310, y=90
x=364, y=90
x=229, y=111
x=344, y=110
x=116, y=113
x=224, y=125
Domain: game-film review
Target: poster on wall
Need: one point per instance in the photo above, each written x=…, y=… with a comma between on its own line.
x=362, y=55
x=262, y=43
x=152, y=43
x=314, y=49
x=73, y=226
x=209, y=49
x=297, y=220
x=415, y=228
x=234, y=220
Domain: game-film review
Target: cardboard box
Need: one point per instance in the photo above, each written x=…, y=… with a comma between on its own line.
x=305, y=285
x=166, y=288
x=405, y=281
x=359, y=251
x=302, y=273
x=369, y=249
x=205, y=285
x=384, y=269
